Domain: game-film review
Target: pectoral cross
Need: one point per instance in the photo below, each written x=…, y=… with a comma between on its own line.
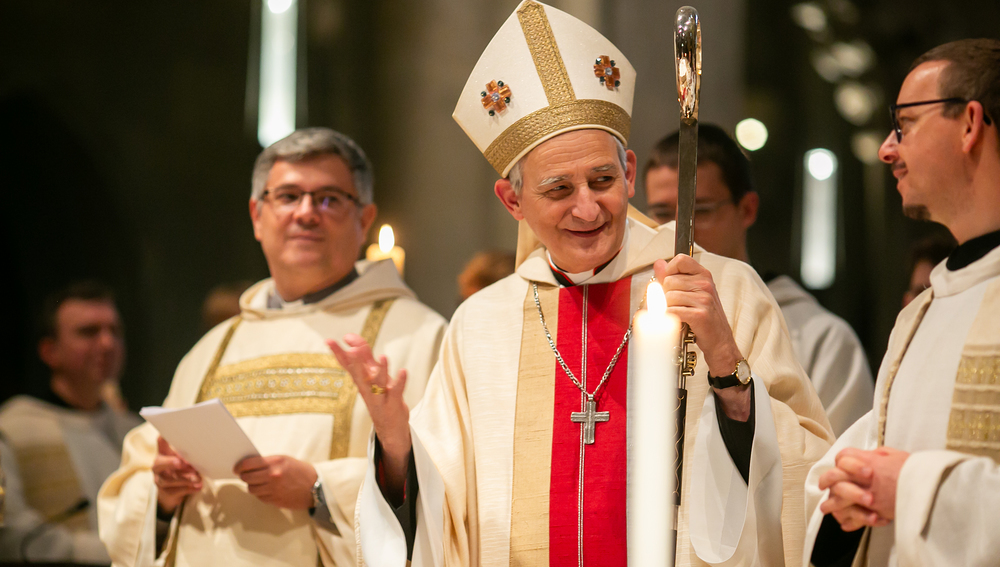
x=589, y=418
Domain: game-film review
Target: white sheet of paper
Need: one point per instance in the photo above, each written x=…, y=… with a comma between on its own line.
x=205, y=434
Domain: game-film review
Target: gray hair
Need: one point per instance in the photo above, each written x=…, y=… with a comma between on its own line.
x=311, y=142
x=516, y=174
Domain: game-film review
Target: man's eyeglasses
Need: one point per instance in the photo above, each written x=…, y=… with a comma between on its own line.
x=894, y=112
x=663, y=214
x=328, y=201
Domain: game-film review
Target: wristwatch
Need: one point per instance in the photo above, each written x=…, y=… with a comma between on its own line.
x=739, y=377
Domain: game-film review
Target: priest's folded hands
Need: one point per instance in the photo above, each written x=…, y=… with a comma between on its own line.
x=863, y=487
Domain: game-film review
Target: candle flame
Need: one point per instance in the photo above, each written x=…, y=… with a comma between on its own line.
x=656, y=301
x=386, y=240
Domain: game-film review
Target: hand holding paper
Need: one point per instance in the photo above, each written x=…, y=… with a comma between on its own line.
x=175, y=478
x=280, y=480
x=205, y=435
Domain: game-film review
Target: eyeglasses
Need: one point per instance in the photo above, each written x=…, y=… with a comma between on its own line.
x=894, y=109
x=332, y=202
x=663, y=214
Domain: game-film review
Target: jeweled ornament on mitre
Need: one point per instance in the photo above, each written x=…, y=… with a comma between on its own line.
x=549, y=56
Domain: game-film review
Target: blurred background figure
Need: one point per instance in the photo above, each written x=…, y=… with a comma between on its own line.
x=59, y=447
x=222, y=303
x=725, y=208
x=485, y=268
x=927, y=253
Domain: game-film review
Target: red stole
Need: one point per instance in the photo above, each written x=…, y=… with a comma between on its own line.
x=604, y=462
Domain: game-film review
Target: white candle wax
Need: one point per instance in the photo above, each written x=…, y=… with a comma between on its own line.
x=651, y=404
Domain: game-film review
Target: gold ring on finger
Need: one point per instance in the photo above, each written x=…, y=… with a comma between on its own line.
x=378, y=390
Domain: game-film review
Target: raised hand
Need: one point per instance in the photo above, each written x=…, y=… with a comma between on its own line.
x=280, y=480
x=383, y=395
x=174, y=477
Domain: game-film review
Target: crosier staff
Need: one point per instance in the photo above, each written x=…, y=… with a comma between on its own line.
x=687, y=64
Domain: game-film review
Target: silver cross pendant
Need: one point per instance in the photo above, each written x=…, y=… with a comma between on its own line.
x=589, y=417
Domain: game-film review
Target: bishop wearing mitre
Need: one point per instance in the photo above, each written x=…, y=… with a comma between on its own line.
x=518, y=452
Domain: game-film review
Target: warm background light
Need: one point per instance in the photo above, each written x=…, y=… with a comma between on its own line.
x=819, y=219
x=386, y=248
x=751, y=134
x=386, y=239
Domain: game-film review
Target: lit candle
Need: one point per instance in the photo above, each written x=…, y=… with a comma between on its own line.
x=652, y=397
x=386, y=248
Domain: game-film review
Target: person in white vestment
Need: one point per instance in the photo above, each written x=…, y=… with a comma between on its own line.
x=311, y=207
x=58, y=448
x=916, y=480
x=496, y=465
x=726, y=207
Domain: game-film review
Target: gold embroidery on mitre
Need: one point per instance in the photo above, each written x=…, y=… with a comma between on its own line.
x=545, y=53
x=545, y=121
x=974, y=422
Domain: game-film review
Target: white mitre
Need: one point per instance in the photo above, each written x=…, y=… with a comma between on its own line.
x=543, y=74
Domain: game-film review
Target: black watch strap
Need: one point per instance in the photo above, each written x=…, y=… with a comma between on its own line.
x=722, y=382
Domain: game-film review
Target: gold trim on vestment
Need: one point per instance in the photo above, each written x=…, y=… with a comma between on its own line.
x=551, y=119
x=279, y=384
x=974, y=422
x=530, y=490
x=50, y=483
x=291, y=383
x=894, y=369
x=545, y=53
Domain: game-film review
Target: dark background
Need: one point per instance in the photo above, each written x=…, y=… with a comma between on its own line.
x=127, y=137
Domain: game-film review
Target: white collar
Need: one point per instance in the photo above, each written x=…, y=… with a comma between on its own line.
x=590, y=276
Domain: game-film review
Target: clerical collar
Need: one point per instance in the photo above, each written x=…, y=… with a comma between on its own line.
x=972, y=250
x=274, y=301
x=568, y=279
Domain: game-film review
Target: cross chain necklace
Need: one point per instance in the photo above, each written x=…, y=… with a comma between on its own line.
x=587, y=416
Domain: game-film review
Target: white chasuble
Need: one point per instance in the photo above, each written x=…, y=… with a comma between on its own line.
x=55, y=459
x=274, y=372
x=937, y=398
x=505, y=471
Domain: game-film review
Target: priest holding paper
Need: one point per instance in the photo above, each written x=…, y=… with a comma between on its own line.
x=519, y=451
x=311, y=207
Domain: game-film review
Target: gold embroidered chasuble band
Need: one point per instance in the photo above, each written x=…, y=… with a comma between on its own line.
x=529, y=529
x=291, y=383
x=565, y=110
x=974, y=422
x=50, y=480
